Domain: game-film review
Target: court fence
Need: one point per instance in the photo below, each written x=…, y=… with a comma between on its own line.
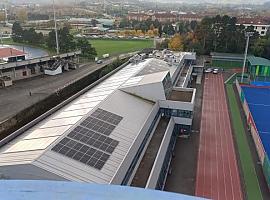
x=255, y=134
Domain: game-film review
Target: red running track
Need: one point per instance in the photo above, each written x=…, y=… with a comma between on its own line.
x=217, y=172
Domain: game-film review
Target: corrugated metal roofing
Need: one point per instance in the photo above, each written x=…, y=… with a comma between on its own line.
x=258, y=61
x=34, y=146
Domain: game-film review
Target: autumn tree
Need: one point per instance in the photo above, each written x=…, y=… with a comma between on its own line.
x=176, y=43
x=2, y=16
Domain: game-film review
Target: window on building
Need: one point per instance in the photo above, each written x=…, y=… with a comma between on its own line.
x=263, y=32
x=24, y=73
x=167, y=85
x=6, y=70
x=33, y=70
x=263, y=28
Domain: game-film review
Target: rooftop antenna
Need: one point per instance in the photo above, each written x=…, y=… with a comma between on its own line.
x=55, y=27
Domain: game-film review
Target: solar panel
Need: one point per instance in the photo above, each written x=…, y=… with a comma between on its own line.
x=94, y=139
x=89, y=143
x=81, y=152
x=107, y=116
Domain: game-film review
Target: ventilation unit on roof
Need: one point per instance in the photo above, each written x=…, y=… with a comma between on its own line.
x=136, y=59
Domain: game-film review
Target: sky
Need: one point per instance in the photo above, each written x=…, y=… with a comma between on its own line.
x=173, y=1
x=219, y=1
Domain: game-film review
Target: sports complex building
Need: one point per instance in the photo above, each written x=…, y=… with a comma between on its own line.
x=103, y=135
x=226, y=60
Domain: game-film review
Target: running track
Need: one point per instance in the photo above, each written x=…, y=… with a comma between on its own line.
x=217, y=171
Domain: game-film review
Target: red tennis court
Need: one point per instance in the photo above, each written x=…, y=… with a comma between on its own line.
x=217, y=171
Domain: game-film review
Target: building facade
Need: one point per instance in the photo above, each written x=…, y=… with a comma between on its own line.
x=260, y=25
x=102, y=136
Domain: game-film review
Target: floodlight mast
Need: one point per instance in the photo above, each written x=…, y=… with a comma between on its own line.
x=56, y=32
x=248, y=35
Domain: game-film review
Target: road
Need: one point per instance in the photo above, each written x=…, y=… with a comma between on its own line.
x=17, y=97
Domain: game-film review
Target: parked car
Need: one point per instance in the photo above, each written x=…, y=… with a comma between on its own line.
x=208, y=70
x=99, y=62
x=215, y=71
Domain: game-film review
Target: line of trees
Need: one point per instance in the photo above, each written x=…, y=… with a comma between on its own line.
x=67, y=42
x=163, y=28
x=219, y=34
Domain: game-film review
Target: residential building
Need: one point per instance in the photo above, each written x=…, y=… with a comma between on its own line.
x=260, y=25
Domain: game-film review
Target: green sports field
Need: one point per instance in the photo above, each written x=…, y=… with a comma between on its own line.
x=116, y=47
x=252, y=187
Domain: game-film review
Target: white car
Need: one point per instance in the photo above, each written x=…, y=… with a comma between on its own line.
x=215, y=71
x=209, y=70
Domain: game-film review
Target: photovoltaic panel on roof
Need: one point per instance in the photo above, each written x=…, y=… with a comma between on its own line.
x=89, y=143
x=81, y=152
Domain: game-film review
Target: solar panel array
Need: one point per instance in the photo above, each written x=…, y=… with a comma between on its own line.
x=89, y=143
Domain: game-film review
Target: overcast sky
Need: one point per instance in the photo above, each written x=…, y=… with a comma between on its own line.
x=219, y=1
x=184, y=1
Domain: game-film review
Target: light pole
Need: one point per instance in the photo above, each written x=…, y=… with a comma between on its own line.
x=55, y=27
x=2, y=39
x=248, y=35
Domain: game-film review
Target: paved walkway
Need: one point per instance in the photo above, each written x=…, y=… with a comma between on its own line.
x=217, y=172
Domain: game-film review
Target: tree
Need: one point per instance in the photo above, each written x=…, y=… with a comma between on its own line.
x=2, y=16
x=87, y=50
x=66, y=40
x=32, y=37
x=17, y=32
x=176, y=43
x=262, y=47
x=168, y=29
x=94, y=22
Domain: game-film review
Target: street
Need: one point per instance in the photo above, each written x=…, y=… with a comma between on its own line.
x=25, y=93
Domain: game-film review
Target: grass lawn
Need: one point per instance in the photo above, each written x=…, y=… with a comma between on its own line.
x=116, y=47
x=250, y=177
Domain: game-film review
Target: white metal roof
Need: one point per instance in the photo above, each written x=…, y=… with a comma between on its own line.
x=49, y=129
x=34, y=145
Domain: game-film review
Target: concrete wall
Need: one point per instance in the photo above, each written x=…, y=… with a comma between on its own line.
x=157, y=166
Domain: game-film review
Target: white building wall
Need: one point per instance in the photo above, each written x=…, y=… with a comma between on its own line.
x=152, y=92
x=157, y=166
x=184, y=121
x=123, y=168
x=261, y=29
x=176, y=105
